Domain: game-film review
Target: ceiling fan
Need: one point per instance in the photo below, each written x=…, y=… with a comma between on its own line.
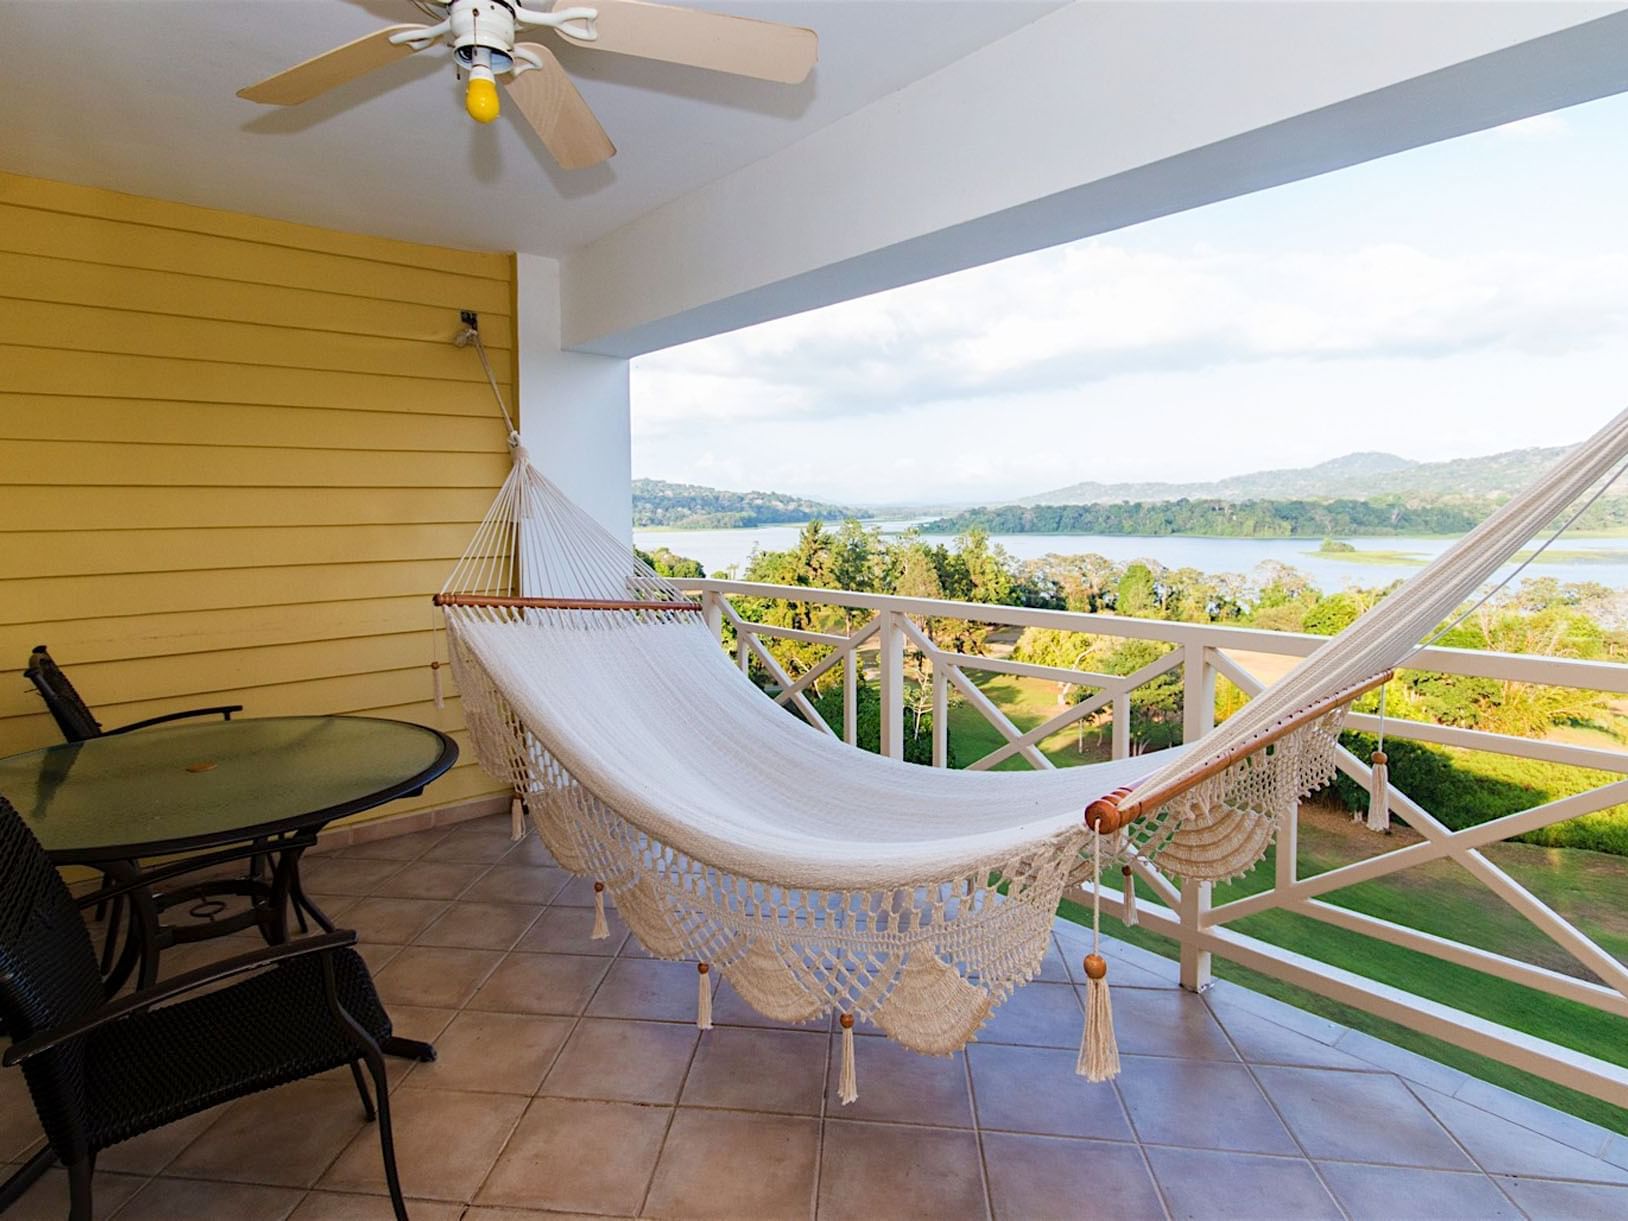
x=482, y=35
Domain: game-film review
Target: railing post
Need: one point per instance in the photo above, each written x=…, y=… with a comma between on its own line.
x=712, y=613
x=941, y=716
x=1195, y=963
x=850, y=698
x=1286, y=852
x=891, y=640
x=1197, y=693
x=1122, y=725
x=743, y=651
x=1197, y=719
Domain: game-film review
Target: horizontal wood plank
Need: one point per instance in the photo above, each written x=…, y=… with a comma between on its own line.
x=48, y=371
x=196, y=678
x=43, y=507
x=67, y=553
x=25, y=417
x=97, y=202
x=92, y=464
x=27, y=277
x=153, y=593
x=118, y=244
x=238, y=456
x=249, y=345
x=76, y=642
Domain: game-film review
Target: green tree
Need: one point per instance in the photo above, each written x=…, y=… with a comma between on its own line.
x=1137, y=594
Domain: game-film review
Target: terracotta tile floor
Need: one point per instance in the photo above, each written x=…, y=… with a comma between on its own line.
x=572, y=1080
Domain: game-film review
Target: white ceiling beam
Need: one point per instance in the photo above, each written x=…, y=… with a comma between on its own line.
x=1097, y=116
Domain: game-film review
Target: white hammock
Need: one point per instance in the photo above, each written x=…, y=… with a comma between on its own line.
x=821, y=879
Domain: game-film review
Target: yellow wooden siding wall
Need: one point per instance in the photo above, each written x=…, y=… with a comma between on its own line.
x=237, y=456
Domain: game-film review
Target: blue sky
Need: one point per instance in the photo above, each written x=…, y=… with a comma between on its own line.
x=1459, y=299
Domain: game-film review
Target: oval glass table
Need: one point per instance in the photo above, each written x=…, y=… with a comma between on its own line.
x=258, y=789
x=154, y=806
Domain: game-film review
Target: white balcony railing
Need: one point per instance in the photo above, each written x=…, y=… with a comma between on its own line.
x=1186, y=913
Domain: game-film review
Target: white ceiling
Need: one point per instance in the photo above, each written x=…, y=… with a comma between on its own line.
x=137, y=95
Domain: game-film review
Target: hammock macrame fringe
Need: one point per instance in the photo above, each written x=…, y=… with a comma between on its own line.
x=818, y=880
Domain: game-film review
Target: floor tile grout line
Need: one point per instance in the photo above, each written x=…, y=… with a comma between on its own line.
x=1147, y=1162
x=672, y=1108
x=819, y=1134
x=1597, y=1155
x=978, y=1131
x=503, y=956
x=1277, y=1111
x=1462, y=1147
x=824, y=1111
x=559, y=1051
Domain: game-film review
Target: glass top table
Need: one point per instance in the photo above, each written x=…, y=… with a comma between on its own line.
x=187, y=787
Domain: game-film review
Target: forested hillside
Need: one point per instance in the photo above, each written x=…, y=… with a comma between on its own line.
x=694, y=507
x=1359, y=476
x=1220, y=518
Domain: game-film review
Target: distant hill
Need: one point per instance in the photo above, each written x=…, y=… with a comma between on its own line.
x=1355, y=476
x=691, y=506
x=1224, y=518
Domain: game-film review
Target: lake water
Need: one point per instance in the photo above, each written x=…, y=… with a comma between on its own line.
x=722, y=549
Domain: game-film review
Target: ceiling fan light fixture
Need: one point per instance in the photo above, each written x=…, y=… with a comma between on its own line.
x=481, y=36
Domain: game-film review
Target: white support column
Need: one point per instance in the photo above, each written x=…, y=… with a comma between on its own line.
x=892, y=667
x=573, y=405
x=1197, y=719
x=1122, y=726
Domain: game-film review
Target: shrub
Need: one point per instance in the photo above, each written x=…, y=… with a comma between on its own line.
x=1467, y=788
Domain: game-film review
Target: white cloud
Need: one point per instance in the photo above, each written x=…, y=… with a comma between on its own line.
x=1097, y=310
x=1198, y=355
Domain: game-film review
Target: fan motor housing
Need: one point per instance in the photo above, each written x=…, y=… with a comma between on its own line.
x=482, y=24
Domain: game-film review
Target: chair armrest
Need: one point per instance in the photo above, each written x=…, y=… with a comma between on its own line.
x=224, y=711
x=189, y=981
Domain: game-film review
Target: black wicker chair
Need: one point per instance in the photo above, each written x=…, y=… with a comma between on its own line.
x=103, y=1071
x=78, y=724
x=73, y=716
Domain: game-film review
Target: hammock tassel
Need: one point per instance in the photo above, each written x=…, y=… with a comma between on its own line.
x=435, y=684
x=517, y=818
x=1379, y=794
x=703, y=998
x=848, y=1086
x=1129, y=916
x=601, y=928
x=1099, y=1052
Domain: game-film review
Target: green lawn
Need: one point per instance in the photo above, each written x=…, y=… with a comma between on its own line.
x=1588, y=888
x=1028, y=702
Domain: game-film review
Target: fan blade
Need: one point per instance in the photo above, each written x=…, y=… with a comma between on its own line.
x=743, y=46
x=556, y=111
x=304, y=81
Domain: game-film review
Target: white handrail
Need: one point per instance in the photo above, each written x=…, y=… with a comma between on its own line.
x=1202, y=652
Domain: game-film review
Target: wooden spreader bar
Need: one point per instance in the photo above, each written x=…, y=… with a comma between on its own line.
x=1117, y=809
x=583, y=604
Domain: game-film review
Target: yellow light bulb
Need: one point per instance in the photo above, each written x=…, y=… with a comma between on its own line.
x=481, y=100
